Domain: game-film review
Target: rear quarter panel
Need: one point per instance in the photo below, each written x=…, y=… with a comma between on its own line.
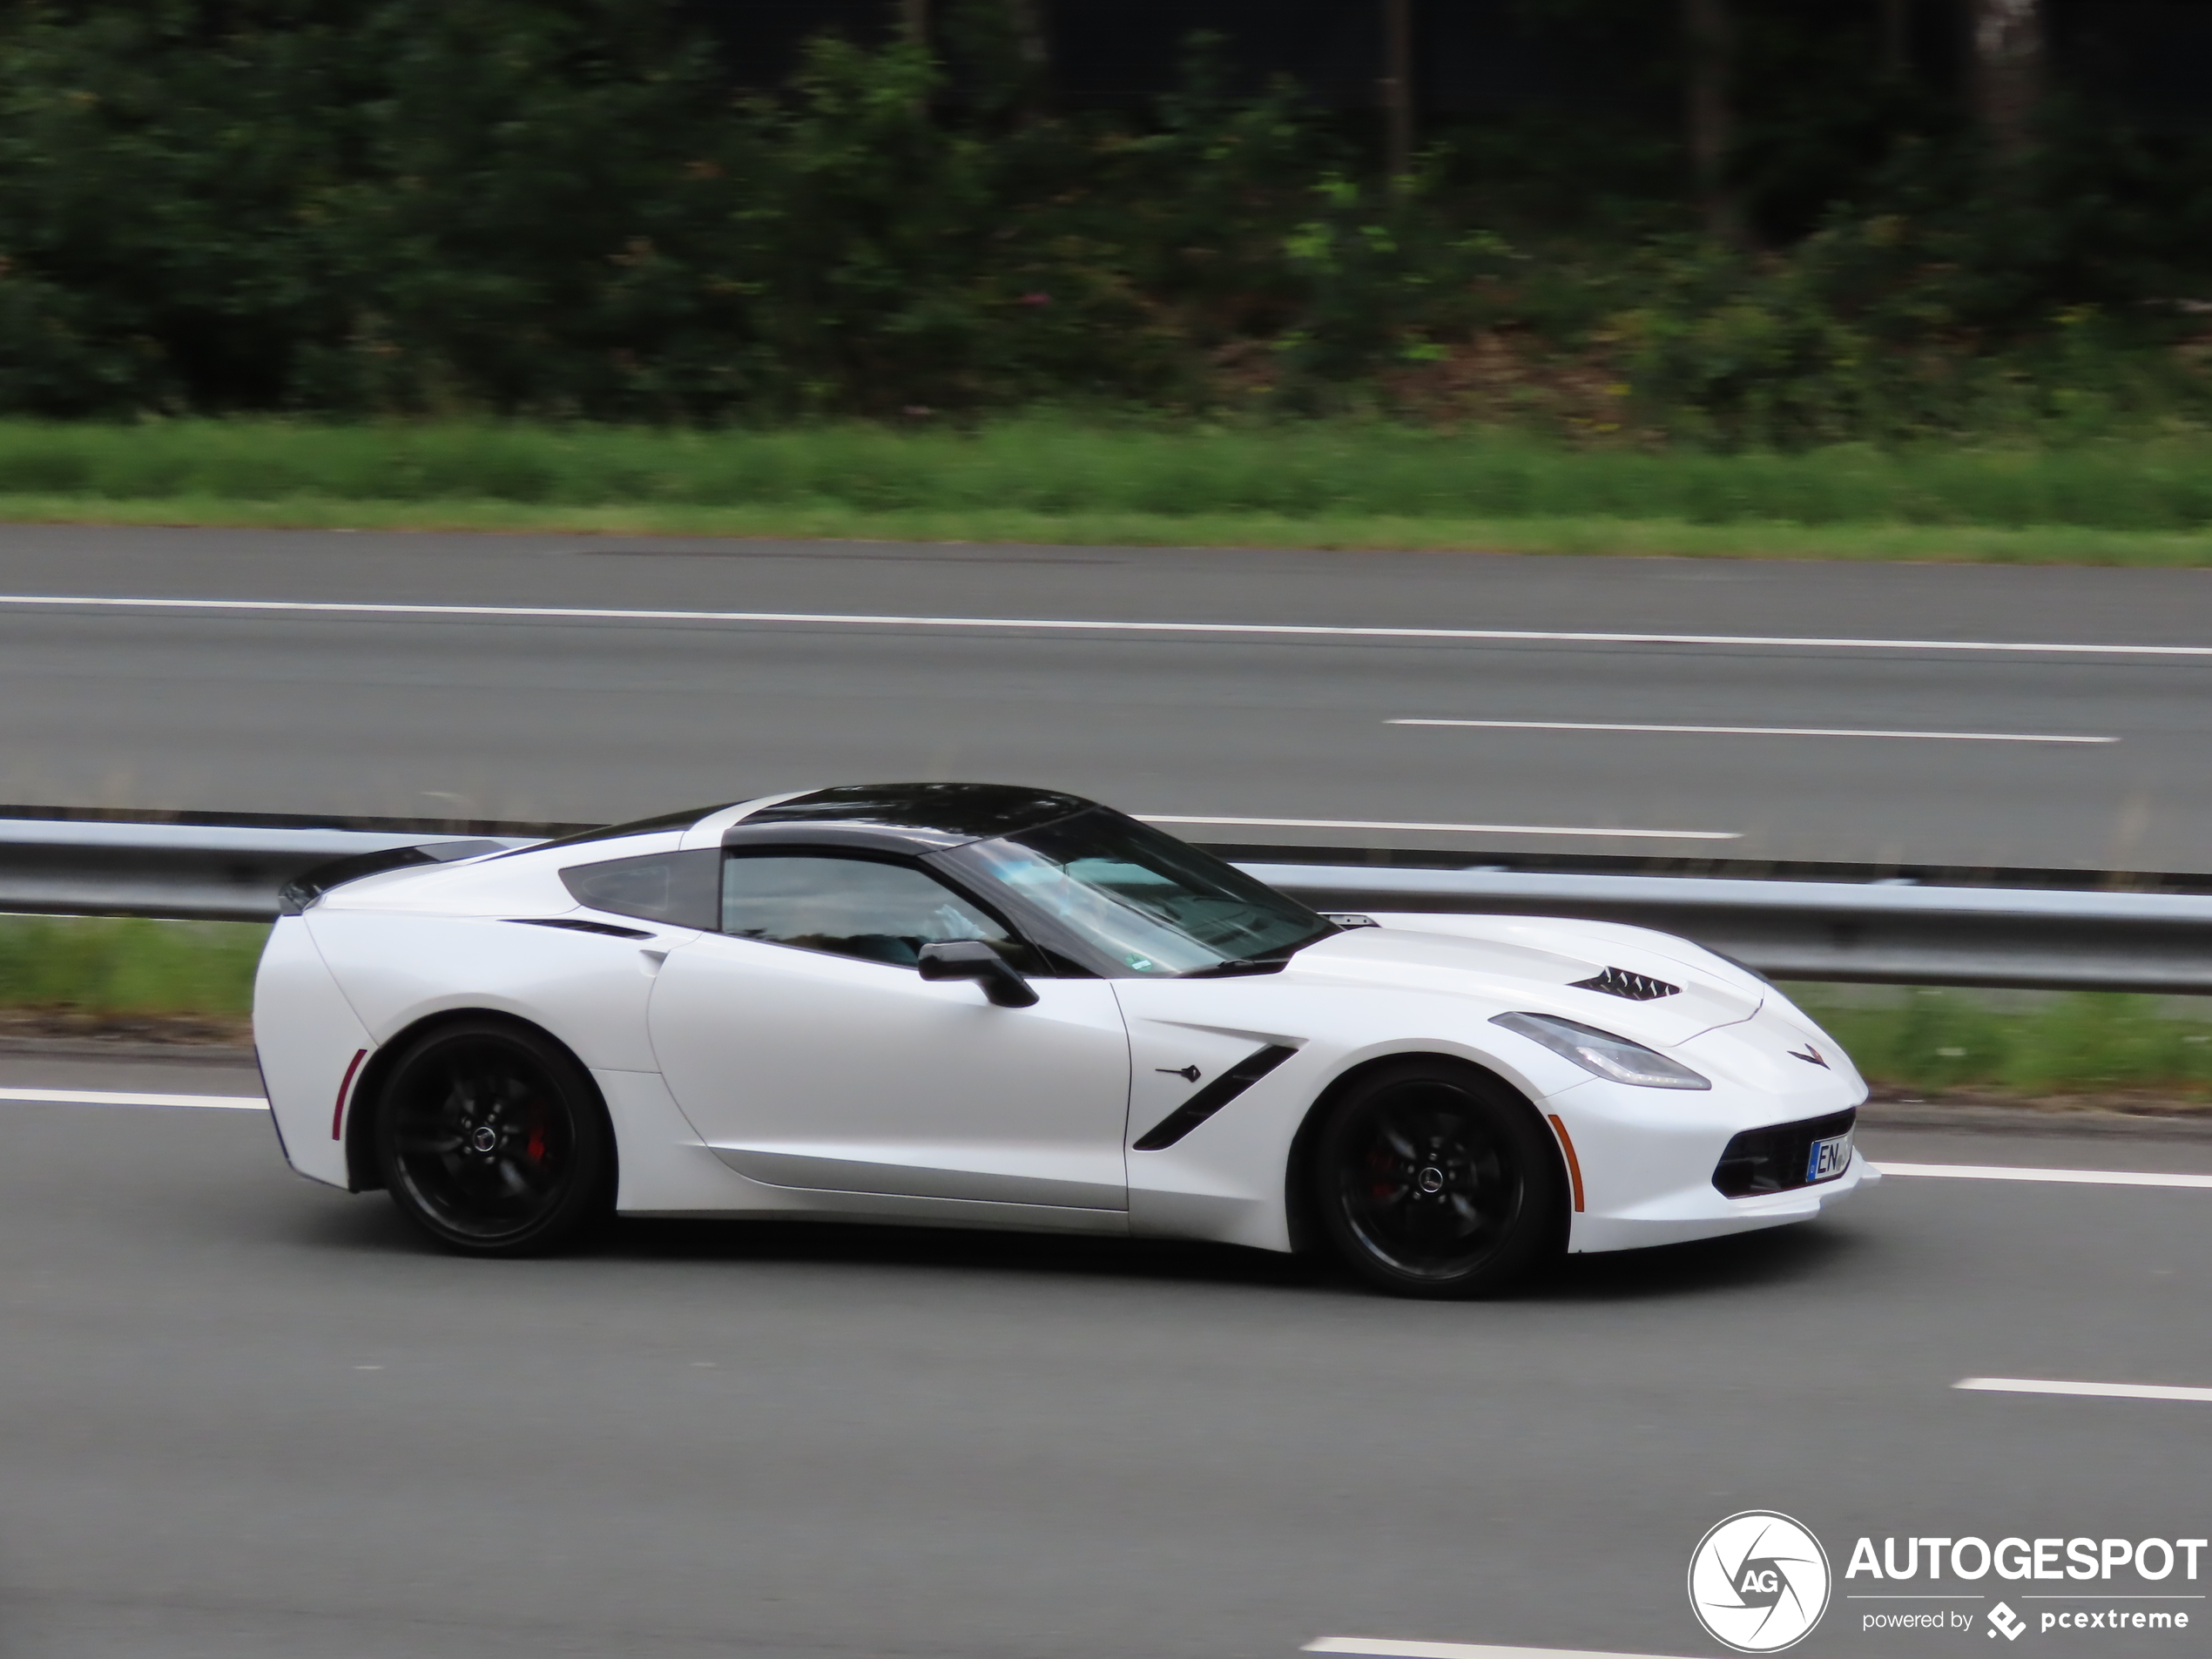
x=588, y=990
x=308, y=1035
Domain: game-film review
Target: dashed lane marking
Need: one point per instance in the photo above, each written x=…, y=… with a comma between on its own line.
x=2074, y=1178
x=102, y=1097
x=1758, y=731
x=2090, y=1390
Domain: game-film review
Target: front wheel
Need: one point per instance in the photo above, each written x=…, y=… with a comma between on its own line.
x=493, y=1140
x=1433, y=1179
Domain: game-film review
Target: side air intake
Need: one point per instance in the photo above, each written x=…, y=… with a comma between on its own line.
x=1637, y=988
x=1215, y=1096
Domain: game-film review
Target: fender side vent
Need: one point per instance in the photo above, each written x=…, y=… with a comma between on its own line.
x=1637, y=988
x=1215, y=1096
x=575, y=926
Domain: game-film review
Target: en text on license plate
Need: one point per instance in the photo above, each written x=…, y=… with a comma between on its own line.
x=1828, y=1159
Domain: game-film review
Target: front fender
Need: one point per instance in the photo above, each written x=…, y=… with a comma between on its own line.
x=1225, y=1180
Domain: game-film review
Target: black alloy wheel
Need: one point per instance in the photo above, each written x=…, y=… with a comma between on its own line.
x=493, y=1140
x=1433, y=1179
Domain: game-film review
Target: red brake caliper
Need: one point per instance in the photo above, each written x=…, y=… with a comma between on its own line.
x=1381, y=1162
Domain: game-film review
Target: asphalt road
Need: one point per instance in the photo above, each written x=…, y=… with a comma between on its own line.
x=594, y=718
x=247, y=1418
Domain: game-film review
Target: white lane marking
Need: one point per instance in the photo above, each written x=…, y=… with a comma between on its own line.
x=1384, y=1650
x=1281, y=629
x=99, y=1097
x=1449, y=829
x=2077, y=1177
x=2089, y=1390
x=1758, y=731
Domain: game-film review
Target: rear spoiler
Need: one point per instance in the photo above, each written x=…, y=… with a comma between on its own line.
x=306, y=889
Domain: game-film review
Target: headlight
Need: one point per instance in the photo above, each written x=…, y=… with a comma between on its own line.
x=1602, y=1054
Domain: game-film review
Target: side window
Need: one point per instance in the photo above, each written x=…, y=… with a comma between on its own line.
x=673, y=887
x=881, y=912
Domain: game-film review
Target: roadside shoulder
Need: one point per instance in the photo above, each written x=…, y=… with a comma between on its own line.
x=2149, y=1122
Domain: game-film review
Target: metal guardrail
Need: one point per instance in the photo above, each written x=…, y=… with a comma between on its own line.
x=1875, y=929
x=201, y=872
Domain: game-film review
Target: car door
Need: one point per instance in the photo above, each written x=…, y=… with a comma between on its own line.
x=807, y=1049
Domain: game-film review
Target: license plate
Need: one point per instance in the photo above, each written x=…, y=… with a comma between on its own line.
x=1828, y=1159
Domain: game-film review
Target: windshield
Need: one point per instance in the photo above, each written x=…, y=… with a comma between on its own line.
x=1154, y=904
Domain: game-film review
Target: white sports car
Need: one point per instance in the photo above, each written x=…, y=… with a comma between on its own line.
x=978, y=1005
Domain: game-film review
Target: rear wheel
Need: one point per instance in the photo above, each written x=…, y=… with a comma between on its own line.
x=493, y=1140
x=1433, y=1179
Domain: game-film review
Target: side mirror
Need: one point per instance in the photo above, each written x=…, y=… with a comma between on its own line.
x=972, y=959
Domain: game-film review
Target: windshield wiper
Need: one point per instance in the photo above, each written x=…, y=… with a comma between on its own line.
x=1273, y=963
x=1240, y=965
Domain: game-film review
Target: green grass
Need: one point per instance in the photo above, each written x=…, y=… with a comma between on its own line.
x=1902, y=1037
x=1052, y=480
x=105, y=965
x=2021, y=1044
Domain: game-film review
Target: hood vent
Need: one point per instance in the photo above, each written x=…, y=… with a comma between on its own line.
x=1637, y=988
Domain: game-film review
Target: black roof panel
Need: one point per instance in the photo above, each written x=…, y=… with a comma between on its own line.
x=974, y=811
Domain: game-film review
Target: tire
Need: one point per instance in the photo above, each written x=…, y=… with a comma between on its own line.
x=1433, y=1179
x=493, y=1141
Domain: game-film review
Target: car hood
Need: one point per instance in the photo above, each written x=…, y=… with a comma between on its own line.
x=1532, y=964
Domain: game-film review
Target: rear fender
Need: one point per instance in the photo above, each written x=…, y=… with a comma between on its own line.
x=312, y=1049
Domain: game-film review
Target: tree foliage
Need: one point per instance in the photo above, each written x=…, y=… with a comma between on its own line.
x=562, y=208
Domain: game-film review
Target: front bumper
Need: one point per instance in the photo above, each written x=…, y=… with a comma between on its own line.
x=1648, y=1156
x=1700, y=1212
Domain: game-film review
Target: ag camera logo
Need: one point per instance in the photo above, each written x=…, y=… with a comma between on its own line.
x=1759, y=1581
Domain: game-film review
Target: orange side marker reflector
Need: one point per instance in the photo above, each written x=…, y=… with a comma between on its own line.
x=1573, y=1164
x=338, y=1112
